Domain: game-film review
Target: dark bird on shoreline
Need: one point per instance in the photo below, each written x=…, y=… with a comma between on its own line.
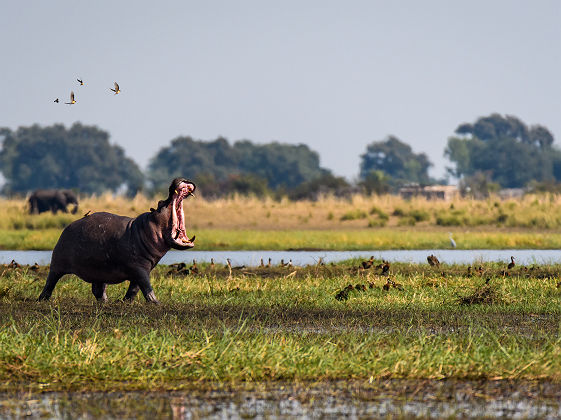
x=283, y=264
x=194, y=269
x=14, y=264
x=212, y=263
x=238, y=267
x=72, y=100
x=511, y=264
x=368, y=263
x=261, y=264
x=81, y=82
x=433, y=261
x=116, y=90
x=385, y=267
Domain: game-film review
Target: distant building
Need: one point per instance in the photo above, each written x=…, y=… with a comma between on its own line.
x=430, y=192
x=507, y=193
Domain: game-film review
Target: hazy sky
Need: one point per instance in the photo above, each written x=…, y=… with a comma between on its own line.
x=335, y=75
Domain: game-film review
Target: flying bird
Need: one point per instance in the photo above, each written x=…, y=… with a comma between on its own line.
x=81, y=82
x=56, y=100
x=116, y=90
x=72, y=100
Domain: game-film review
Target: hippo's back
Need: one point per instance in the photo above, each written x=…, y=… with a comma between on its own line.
x=95, y=240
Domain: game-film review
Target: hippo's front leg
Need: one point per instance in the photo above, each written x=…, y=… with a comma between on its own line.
x=98, y=290
x=142, y=281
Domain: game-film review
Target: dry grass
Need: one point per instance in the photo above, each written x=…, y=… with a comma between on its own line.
x=531, y=211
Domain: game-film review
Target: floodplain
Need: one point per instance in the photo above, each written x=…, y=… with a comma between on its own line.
x=331, y=223
x=314, y=323
x=452, y=335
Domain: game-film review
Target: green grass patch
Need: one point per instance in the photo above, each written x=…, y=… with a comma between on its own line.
x=354, y=215
x=403, y=237
x=283, y=324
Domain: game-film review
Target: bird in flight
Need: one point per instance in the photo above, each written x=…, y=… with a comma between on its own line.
x=72, y=100
x=56, y=100
x=116, y=90
x=81, y=82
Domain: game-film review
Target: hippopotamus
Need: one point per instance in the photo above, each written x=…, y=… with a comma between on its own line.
x=104, y=248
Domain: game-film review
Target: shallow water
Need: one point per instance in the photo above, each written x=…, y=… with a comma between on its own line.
x=302, y=258
x=403, y=399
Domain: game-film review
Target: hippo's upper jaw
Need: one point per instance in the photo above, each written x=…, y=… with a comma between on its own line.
x=179, y=238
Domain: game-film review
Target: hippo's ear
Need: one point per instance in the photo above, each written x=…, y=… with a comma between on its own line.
x=161, y=203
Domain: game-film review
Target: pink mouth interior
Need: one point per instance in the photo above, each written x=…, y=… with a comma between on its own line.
x=178, y=233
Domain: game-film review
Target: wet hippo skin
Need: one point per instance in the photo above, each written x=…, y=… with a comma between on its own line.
x=104, y=248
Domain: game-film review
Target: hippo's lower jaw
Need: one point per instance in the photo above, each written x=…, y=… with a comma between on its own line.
x=179, y=238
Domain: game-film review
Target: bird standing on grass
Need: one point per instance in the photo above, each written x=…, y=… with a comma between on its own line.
x=433, y=261
x=368, y=263
x=72, y=100
x=193, y=269
x=452, y=241
x=511, y=264
x=116, y=90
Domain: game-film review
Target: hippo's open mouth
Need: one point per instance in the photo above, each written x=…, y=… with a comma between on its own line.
x=178, y=233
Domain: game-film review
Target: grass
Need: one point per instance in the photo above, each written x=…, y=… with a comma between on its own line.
x=343, y=239
x=282, y=324
x=379, y=222
x=246, y=213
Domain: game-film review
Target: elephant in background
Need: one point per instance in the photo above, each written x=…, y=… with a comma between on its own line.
x=52, y=200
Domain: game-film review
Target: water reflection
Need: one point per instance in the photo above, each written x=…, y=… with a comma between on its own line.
x=301, y=258
x=415, y=399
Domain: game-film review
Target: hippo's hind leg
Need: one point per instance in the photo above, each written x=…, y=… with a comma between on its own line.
x=98, y=289
x=132, y=291
x=142, y=281
x=52, y=280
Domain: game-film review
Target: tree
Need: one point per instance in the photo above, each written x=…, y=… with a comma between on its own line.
x=324, y=185
x=80, y=157
x=505, y=149
x=280, y=165
x=376, y=182
x=396, y=160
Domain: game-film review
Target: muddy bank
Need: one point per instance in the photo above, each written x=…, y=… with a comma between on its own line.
x=392, y=398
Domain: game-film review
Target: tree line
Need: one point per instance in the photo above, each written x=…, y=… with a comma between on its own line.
x=495, y=151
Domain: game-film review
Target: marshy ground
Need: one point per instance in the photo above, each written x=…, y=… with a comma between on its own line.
x=417, y=340
x=283, y=323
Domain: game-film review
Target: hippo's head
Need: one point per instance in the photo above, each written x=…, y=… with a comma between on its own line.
x=174, y=230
